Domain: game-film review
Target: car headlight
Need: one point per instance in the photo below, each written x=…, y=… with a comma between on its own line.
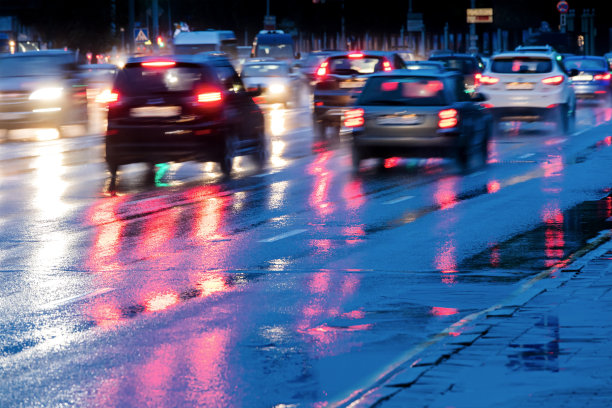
x=46, y=94
x=277, y=88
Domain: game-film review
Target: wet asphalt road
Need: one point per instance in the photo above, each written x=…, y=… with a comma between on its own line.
x=299, y=285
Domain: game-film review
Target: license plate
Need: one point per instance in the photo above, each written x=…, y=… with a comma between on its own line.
x=155, y=111
x=399, y=120
x=582, y=78
x=354, y=84
x=519, y=86
x=11, y=115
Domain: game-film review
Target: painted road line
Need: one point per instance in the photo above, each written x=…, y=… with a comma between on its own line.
x=72, y=299
x=398, y=200
x=526, y=156
x=283, y=236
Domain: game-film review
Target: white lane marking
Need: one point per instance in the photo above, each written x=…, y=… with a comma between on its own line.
x=65, y=301
x=478, y=173
x=398, y=200
x=526, y=156
x=583, y=131
x=285, y=235
x=265, y=174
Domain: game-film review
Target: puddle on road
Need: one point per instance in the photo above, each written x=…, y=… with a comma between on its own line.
x=560, y=234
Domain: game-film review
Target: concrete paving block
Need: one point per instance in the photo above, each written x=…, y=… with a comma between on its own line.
x=502, y=312
x=465, y=339
x=407, y=377
x=524, y=297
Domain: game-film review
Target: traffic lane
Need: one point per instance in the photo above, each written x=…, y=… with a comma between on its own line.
x=154, y=240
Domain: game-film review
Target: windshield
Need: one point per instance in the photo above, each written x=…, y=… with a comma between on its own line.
x=39, y=65
x=190, y=49
x=136, y=80
x=522, y=65
x=355, y=66
x=464, y=65
x=408, y=91
x=274, y=51
x=265, y=70
x=314, y=60
x=586, y=64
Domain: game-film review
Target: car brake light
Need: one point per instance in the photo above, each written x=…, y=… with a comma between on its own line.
x=387, y=66
x=209, y=97
x=477, y=78
x=354, y=118
x=158, y=64
x=322, y=71
x=602, y=77
x=448, y=118
x=108, y=96
x=355, y=55
x=488, y=80
x=554, y=80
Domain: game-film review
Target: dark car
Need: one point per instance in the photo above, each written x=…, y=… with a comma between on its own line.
x=42, y=89
x=339, y=81
x=418, y=114
x=471, y=66
x=182, y=108
x=310, y=64
x=593, y=77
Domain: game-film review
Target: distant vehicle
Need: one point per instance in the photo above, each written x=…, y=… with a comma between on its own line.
x=412, y=113
x=42, y=89
x=406, y=55
x=530, y=87
x=608, y=58
x=593, y=79
x=274, y=77
x=179, y=109
x=195, y=42
x=244, y=53
x=99, y=79
x=274, y=44
x=339, y=81
x=433, y=66
x=308, y=66
x=471, y=66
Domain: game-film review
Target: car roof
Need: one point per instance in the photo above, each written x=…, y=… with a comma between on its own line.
x=511, y=54
x=452, y=55
x=201, y=58
x=417, y=73
x=366, y=53
x=259, y=61
x=585, y=57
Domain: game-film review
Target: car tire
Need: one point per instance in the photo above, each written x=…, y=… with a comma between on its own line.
x=113, y=169
x=226, y=161
x=357, y=155
x=484, y=144
x=261, y=153
x=320, y=130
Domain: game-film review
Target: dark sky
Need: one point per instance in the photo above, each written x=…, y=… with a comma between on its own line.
x=87, y=22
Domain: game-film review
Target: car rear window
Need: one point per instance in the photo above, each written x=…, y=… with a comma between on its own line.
x=355, y=66
x=522, y=65
x=588, y=64
x=136, y=80
x=265, y=70
x=464, y=65
x=408, y=91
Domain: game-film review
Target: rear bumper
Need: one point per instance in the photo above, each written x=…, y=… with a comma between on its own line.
x=156, y=144
x=522, y=114
x=330, y=114
x=434, y=145
x=590, y=91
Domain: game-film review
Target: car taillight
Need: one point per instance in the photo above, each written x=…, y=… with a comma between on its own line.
x=356, y=55
x=108, y=96
x=477, y=78
x=158, y=64
x=209, y=97
x=602, y=77
x=448, y=118
x=387, y=66
x=354, y=118
x=488, y=80
x=322, y=70
x=554, y=80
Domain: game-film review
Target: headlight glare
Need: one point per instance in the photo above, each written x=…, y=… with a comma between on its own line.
x=277, y=88
x=46, y=94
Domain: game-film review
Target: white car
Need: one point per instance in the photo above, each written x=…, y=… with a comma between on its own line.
x=529, y=86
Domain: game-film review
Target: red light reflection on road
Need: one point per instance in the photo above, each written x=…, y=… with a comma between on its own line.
x=353, y=195
x=105, y=315
x=107, y=242
x=319, y=283
x=318, y=199
x=553, y=166
x=155, y=377
x=211, y=283
x=445, y=195
x=210, y=213
x=495, y=256
x=493, y=187
x=554, y=236
x=443, y=311
x=445, y=262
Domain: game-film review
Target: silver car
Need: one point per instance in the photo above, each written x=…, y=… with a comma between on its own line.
x=418, y=114
x=277, y=82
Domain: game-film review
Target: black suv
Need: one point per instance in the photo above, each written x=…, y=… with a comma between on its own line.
x=182, y=108
x=471, y=66
x=340, y=78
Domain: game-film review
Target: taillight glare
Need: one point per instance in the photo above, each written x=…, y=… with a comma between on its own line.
x=553, y=80
x=322, y=70
x=448, y=118
x=602, y=77
x=488, y=80
x=354, y=118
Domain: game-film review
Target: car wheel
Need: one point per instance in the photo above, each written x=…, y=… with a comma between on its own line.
x=320, y=130
x=261, y=153
x=357, y=155
x=150, y=174
x=113, y=169
x=229, y=152
x=484, y=145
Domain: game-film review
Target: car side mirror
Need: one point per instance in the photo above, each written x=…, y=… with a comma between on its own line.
x=573, y=72
x=254, y=91
x=478, y=97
